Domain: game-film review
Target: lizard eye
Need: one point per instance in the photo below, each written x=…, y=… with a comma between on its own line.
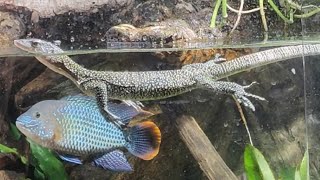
x=34, y=44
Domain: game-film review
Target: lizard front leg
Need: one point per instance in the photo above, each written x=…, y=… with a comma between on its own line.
x=230, y=88
x=99, y=89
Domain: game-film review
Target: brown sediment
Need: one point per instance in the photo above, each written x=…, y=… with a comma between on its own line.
x=8, y=175
x=202, y=150
x=7, y=160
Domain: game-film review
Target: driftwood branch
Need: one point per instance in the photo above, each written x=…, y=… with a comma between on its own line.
x=203, y=151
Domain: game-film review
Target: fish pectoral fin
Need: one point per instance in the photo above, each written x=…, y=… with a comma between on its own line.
x=70, y=158
x=114, y=160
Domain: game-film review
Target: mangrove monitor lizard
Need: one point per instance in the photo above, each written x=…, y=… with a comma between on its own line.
x=152, y=85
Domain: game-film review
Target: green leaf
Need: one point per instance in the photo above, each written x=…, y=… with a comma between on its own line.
x=15, y=133
x=23, y=159
x=297, y=175
x=38, y=174
x=52, y=168
x=255, y=165
x=6, y=149
x=304, y=167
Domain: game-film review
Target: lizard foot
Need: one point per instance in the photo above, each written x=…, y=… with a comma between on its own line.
x=217, y=59
x=232, y=88
x=241, y=95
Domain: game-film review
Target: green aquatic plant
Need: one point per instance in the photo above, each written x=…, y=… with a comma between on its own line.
x=46, y=164
x=6, y=149
x=292, y=11
x=302, y=170
x=14, y=132
x=257, y=167
x=16, y=135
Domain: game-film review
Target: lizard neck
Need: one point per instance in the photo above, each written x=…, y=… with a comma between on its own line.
x=65, y=66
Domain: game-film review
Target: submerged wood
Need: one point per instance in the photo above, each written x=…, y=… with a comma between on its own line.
x=202, y=150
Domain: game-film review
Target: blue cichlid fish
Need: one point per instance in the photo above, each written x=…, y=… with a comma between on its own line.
x=75, y=128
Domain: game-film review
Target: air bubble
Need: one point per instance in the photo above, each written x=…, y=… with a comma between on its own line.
x=72, y=39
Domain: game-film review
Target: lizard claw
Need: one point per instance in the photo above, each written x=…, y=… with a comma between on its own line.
x=242, y=99
x=251, y=84
x=219, y=59
x=245, y=101
x=241, y=95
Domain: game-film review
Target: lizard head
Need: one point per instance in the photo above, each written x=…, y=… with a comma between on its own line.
x=37, y=46
x=45, y=52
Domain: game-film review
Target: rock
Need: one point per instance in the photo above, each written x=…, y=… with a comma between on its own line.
x=48, y=8
x=164, y=31
x=11, y=27
x=5, y=90
x=172, y=31
x=7, y=160
x=185, y=7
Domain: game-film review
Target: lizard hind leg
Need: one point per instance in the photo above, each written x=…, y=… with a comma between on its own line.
x=231, y=88
x=217, y=60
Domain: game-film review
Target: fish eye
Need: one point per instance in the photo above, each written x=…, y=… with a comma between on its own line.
x=34, y=44
x=37, y=114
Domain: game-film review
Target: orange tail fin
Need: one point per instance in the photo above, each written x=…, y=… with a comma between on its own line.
x=144, y=140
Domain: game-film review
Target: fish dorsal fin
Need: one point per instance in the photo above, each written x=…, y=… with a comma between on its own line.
x=125, y=111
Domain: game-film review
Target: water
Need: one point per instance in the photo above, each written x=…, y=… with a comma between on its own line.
x=123, y=47
x=282, y=128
